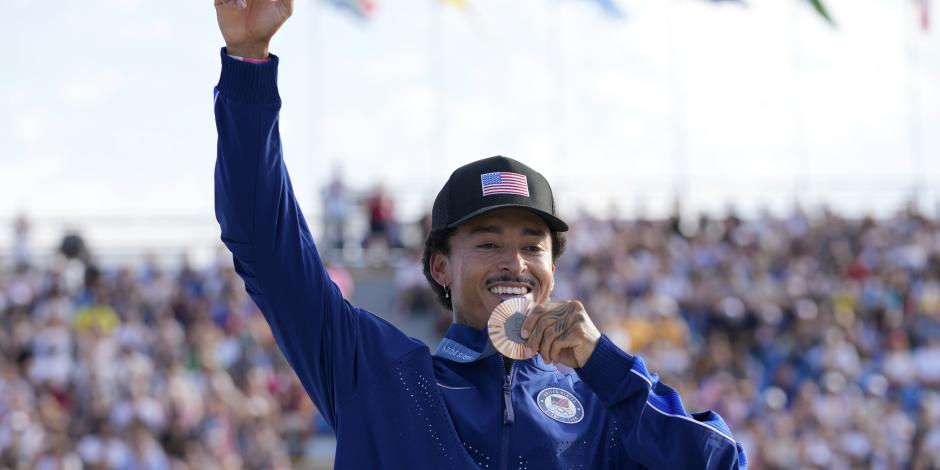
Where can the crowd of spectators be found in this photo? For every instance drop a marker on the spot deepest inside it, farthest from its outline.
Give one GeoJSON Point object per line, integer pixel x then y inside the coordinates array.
{"type": "Point", "coordinates": [144, 368]}
{"type": "Point", "coordinates": [817, 337]}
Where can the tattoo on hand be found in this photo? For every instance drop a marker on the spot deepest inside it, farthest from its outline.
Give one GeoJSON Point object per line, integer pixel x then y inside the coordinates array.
{"type": "Point", "coordinates": [575, 321]}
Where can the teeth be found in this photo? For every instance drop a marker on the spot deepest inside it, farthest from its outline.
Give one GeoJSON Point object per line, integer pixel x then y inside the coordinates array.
{"type": "Point", "coordinates": [504, 290]}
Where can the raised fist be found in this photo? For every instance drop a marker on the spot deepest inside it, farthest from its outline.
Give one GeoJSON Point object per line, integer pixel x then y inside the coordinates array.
{"type": "Point", "coordinates": [248, 25]}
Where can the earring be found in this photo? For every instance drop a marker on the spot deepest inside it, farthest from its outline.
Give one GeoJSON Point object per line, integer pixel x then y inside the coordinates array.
{"type": "Point", "coordinates": [446, 292]}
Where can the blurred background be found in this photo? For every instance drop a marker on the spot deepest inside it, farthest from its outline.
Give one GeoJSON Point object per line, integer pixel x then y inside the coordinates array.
{"type": "Point", "coordinates": [753, 187]}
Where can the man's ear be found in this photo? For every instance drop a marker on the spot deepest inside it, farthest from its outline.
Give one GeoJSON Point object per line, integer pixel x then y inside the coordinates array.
{"type": "Point", "coordinates": [440, 268]}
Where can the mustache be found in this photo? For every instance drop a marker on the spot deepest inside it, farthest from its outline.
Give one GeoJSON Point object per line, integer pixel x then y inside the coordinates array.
{"type": "Point", "coordinates": [507, 278]}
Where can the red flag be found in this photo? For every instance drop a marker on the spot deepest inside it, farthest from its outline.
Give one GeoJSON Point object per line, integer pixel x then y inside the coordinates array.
{"type": "Point", "coordinates": [361, 9]}
{"type": "Point", "coordinates": [923, 11]}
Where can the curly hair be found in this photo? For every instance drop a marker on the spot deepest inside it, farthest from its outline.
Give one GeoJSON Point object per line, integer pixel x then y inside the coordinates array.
{"type": "Point", "coordinates": [439, 242]}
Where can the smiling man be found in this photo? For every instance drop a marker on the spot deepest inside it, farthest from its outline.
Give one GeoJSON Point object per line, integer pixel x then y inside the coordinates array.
{"type": "Point", "coordinates": [495, 236]}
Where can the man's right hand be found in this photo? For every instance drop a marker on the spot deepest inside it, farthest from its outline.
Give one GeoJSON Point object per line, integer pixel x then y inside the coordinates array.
{"type": "Point", "coordinates": [248, 25]}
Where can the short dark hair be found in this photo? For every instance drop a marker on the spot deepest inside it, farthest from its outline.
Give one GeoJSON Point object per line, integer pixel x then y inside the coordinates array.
{"type": "Point", "coordinates": [439, 242]}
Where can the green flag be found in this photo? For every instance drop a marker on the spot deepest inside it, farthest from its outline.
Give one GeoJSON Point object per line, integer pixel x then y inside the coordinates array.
{"type": "Point", "coordinates": [822, 10]}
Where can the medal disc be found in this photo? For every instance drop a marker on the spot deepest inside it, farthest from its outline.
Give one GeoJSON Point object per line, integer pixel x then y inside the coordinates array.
{"type": "Point", "coordinates": [505, 327]}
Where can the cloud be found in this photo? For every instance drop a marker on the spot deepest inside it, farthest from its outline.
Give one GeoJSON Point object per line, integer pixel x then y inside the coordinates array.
{"type": "Point", "coordinates": [31, 128]}
{"type": "Point", "coordinates": [91, 88]}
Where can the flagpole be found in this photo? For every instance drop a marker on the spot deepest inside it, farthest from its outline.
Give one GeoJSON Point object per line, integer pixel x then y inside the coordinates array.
{"type": "Point", "coordinates": [437, 126]}
{"type": "Point", "coordinates": [314, 66]}
{"type": "Point", "coordinates": [677, 107]}
{"type": "Point", "coordinates": [802, 171]}
{"type": "Point", "coordinates": [915, 119]}
{"type": "Point", "coordinates": [556, 111]}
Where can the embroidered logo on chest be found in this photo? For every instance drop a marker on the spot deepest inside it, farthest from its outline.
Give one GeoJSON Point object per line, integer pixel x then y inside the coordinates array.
{"type": "Point", "coordinates": [560, 405]}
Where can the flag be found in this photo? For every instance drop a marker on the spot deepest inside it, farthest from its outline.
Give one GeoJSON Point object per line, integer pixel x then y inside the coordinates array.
{"type": "Point", "coordinates": [361, 9]}
{"type": "Point", "coordinates": [923, 12]}
{"type": "Point", "coordinates": [561, 402]}
{"type": "Point", "coordinates": [466, 7]}
{"type": "Point", "coordinates": [822, 10]}
{"type": "Point", "coordinates": [611, 8]}
{"type": "Point", "coordinates": [504, 182]}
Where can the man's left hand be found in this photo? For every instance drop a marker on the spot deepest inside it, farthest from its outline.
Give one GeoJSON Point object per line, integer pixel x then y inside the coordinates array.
{"type": "Point", "coordinates": [562, 332]}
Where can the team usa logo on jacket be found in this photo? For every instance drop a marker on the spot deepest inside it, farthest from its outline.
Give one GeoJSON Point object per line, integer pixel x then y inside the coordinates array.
{"type": "Point", "coordinates": [560, 405]}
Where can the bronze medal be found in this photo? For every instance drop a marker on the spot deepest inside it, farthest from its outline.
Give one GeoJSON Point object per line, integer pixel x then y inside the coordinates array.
{"type": "Point", "coordinates": [505, 328]}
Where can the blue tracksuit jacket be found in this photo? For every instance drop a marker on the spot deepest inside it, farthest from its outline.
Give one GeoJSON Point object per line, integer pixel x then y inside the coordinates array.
{"type": "Point", "coordinates": [394, 405]}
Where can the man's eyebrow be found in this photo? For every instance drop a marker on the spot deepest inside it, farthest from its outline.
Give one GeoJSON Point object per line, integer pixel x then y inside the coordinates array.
{"type": "Point", "coordinates": [533, 231]}
{"type": "Point", "coordinates": [485, 229]}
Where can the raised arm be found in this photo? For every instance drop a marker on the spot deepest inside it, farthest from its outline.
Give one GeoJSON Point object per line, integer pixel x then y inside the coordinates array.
{"type": "Point", "coordinates": [332, 346]}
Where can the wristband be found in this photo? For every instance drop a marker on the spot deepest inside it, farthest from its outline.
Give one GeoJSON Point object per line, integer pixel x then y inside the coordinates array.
{"type": "Point", "coordinates": [250, 60]}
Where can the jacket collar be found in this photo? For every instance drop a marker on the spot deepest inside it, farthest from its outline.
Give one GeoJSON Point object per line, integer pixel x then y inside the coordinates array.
{"type": "Point", "coordinates": [465, 344]}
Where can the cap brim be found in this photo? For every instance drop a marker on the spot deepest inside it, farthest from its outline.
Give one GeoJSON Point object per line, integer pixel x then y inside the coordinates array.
{"type": "Point", "coordinates": [554, 223]}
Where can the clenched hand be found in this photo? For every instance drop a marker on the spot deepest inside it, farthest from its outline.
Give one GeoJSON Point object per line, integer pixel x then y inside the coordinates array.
{"type": "Point", "coordinates": [562, 332]}
{"type": "Point", "coordinates": [248, 25]}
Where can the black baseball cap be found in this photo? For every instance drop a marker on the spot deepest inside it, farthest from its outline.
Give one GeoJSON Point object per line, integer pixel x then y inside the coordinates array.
{"type": "Point", "coordinates": [493, 183]}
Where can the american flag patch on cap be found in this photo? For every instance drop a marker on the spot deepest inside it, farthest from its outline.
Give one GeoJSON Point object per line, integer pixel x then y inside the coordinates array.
{"type": "Point", "coordinates": [504, 182]}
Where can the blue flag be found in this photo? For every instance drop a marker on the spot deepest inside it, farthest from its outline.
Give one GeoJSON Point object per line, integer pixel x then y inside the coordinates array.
{"type": "Point", "coordinates": [611, 8]}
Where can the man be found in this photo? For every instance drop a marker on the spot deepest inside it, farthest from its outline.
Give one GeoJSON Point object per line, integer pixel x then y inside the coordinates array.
{"type": "Point", "coordinates": [494, 236]}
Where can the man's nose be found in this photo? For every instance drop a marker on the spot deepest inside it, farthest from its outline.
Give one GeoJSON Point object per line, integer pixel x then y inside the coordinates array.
{"type": "Point", "coordinates": [512, 261]}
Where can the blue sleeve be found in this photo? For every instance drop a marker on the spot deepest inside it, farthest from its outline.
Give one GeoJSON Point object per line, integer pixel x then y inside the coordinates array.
{"type": "Point", "coordinates": [657, 431]}
{"type": "Point", "coordinates": [334, 347]}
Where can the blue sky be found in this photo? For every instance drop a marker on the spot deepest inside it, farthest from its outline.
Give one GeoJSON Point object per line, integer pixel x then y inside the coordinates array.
{"type": "Point", "coordinates": [108, 110]}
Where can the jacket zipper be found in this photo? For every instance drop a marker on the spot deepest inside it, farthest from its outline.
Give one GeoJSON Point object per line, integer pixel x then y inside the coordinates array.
{"type": "Point", "coordinates": [508, 414]}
